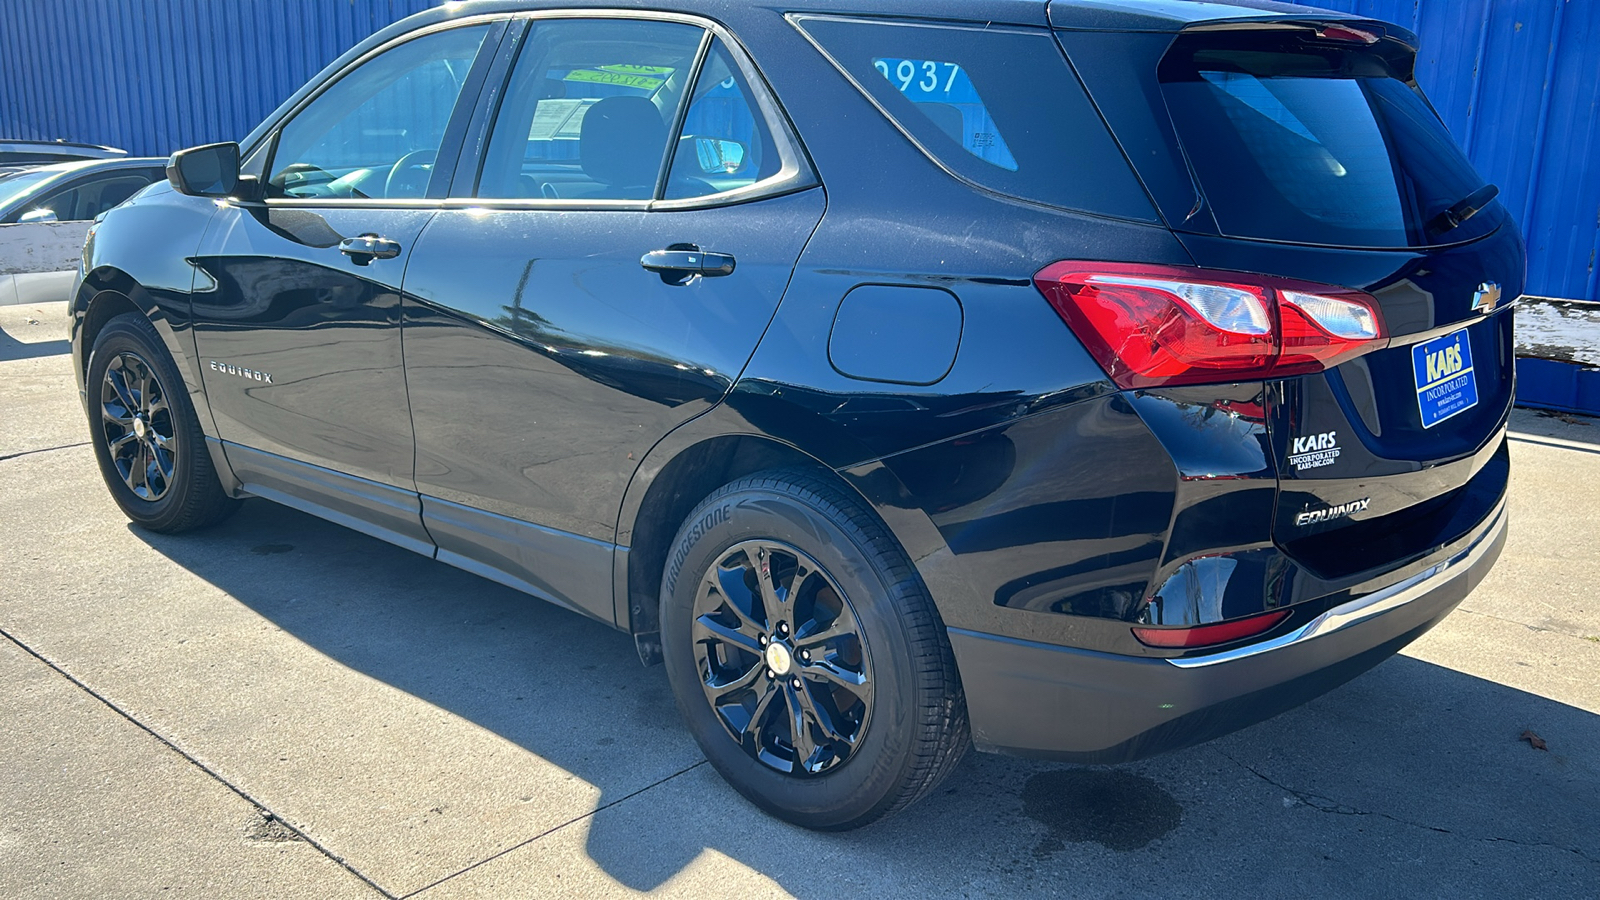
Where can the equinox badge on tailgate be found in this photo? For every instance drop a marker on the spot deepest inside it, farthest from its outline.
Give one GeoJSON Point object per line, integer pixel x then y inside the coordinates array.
{"type": "Point", "coordinates": [1329, 513]}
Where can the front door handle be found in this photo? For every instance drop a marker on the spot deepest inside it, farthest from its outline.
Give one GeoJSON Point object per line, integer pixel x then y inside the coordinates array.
{"type": "Point", "coordinates": [680, 262]}
{"type": "Point", "coordinates": [365, 248]}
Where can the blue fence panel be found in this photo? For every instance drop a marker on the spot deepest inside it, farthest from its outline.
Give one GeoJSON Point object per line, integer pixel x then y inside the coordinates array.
{"type": "Point", "coordinates": [153, 76]}
{"type": "Point", "coordinates": [1517, 82]}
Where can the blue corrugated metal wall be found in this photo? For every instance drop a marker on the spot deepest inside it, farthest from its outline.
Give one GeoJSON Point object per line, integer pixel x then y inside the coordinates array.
{"type": "Point", "coordinates": [1517, 81]}
{"type": "Point", "coordinates": [154, 76]}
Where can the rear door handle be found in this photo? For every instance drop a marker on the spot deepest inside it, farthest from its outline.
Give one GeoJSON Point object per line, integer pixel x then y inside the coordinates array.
{"type": "Point", "coordinates": [365, 248]}
{"type": "Point", "coordinates": [679, 262]}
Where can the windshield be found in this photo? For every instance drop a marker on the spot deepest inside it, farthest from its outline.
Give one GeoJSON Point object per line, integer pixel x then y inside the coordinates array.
{"type": "Point", "coordinates": [15, 187]}
{"type": "Point", "coordinates": [1317, 142]}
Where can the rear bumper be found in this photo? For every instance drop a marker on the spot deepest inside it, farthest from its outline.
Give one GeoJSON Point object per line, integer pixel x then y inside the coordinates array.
{"type": "Point", "coordinates": [1041, 700]}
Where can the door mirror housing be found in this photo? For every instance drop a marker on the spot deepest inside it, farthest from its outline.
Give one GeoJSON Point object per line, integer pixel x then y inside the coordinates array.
{"type": "Point", "coordinates": [42, 214]}
{"type": "Point", "coordinates": [211, 170]}
{"type": "Point", "coordinates": [717, 156]}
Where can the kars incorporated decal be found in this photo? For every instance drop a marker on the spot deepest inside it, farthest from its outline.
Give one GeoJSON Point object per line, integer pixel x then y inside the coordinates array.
{"type": "Point", "coordinates": [1314, 451]}
{"type": "Point", "coordinates": [1313, 516]}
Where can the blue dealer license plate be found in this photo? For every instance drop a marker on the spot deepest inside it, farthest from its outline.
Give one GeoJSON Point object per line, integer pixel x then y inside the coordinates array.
{"type": "Point", "coordinates": [1445, 381]}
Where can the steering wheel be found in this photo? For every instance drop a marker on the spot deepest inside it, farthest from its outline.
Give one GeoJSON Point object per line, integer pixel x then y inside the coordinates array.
{"type": "Point", "coordinates": [416, 159]}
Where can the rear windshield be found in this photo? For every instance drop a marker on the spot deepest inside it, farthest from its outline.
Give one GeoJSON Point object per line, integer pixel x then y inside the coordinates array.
{"type": "Point", "coordinates": [1300, 139]}
{"type": "Point", "coordinates": [999, 107]}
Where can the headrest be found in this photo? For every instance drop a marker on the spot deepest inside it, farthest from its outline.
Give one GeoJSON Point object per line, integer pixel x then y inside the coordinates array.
{"type": "Point", "coordinates": [622, 141]}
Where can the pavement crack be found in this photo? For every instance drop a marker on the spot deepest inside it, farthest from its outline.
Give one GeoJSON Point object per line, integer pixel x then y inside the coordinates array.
{"type": "Point", "coordinates": [42, 450]}
{"type": "Point", "coordinates": [555, 828]}
{"type": "Point", "coordinates": [1545, 629]}
{"type": "Point", "coordinates": [261, 808]}
{"type": "Point", "coordinates": [1315, 801]}
{"type": "Point", "coordinates": [1327, 805]}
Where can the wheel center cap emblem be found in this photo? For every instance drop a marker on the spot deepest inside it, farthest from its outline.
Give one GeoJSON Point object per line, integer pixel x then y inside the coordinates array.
{"type": "Point", "coordinates": [138, 427]}
{"type": "Point", "coordinates": [778, 659]}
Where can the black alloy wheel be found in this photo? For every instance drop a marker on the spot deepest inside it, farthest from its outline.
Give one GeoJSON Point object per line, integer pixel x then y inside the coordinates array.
{"type": "Point", "coordinates": [782, 659]}
{"type": "Point", "coordinates": [145, 434]}
{"type": "Point", "coordinates": [805, 653]}
{"type": "Point", "coordinates": [137, 427]}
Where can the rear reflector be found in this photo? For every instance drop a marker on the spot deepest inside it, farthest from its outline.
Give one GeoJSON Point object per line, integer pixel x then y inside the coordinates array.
{"type": "Point", "coordinates": [1153, 325]}
{"type": "Point", "coordinates": [1207, 635]}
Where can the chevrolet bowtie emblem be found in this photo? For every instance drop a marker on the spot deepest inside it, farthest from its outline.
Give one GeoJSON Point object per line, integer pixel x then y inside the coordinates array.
{"type": "Point", "coordinates": [1486, 298]}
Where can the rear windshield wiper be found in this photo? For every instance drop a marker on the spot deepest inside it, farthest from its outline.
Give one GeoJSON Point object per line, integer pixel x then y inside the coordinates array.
{"type": "Point", "coordinates": [1469, 206]}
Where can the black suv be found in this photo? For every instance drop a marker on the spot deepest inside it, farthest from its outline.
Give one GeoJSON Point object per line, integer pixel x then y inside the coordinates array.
{"type": "Point", "coordinates": [1083, 380]}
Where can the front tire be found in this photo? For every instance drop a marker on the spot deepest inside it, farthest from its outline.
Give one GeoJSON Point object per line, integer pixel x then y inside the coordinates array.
{"type": "Point", "coordinates": [145, 434]}
{"type": "Point", "coordinates": [806, 655]}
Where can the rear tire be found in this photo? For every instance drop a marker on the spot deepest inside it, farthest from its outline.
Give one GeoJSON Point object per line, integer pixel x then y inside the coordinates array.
{"type": "Point", "coordinates": [806, 655]}
{"type": "Point", "coordinates": [145, 434]}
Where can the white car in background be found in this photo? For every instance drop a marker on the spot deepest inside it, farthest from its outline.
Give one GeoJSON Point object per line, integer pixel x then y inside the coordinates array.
{"type": "Point", "coordinates": [45, 212]}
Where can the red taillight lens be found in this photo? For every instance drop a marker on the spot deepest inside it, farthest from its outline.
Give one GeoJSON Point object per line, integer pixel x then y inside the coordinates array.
{"type": "Point", "coordinates": [1207, 635]}
{"type": "Point", "coordinates": [1167, 325]}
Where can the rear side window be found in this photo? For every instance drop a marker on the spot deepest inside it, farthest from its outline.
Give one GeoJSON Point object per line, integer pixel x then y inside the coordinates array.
{"type": "Point", "coordinates": [20, 158]}
{"type": "Point", "coordinates": [725, 145]}
{"type": "Point", "coordinates": [88, 199]}
{"type": "Point", "coordinates": [588, 109]}
{"type": "Point", "coordinates": [1300, 139]}
{"type": "Point", "coordinates": [1000, 107]}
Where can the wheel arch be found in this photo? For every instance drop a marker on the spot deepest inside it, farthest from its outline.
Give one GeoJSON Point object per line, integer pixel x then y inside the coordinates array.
{"type": "Point", "coordinates": [107, 292]}
{"type": "Point", "coordinates": [97, 303]}
{"type": "Point", "coordinates": [683, 469]}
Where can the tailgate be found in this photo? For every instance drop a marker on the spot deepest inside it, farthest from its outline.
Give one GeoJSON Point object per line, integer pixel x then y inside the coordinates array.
{"type": "Point", "coordinates": [1304, 149]}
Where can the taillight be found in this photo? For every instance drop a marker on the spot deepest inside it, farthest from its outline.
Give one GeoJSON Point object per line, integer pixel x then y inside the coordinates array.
{"type": "Point", "coordinates": [1151, 325]}
{"type": "Point", "coordinates": [1181, 638]}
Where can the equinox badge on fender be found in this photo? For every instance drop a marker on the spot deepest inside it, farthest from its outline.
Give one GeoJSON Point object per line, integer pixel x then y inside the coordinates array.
{"type": "Point", "coordinates": [241, 371]}
{"type": "Point", "coordinates": [1328, 514]}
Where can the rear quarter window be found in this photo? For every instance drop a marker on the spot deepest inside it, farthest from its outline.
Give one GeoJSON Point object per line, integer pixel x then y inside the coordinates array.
{"type": "Point", "coordinates": [999, 107]}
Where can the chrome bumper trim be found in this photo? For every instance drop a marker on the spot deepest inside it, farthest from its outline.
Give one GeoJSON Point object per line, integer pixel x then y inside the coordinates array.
{"type": "Point", "coordinates": [1373, 604]}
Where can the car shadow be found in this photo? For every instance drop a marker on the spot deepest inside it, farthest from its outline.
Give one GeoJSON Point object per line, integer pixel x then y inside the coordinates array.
{"type": "Point", "coordinates": [1411, 755]}
{"type": "Point", "coordinates": [12, 349]}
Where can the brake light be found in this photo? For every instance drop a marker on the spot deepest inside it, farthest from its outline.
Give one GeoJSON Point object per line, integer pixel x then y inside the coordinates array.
{"type": "Point", "coordinates": [1184, 638]}
{"type": "Point", "coordinates": [1344, 33]}
{"type": "Point", "coordinates": [1151, 325]}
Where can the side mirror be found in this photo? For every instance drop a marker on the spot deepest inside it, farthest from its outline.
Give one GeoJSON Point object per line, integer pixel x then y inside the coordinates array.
{"type": "Point", "coordinates": [211, 170]}
{"type": "Point", "coordinates": [717, 156]}
{"type": "Point", "coordinates": [42, 214]}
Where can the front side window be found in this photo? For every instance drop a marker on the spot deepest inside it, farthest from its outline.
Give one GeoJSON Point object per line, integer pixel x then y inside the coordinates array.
{"type": "Point", "coordinates": [374, 134]}
{"type": "Point", "coordinates": [588, 109]}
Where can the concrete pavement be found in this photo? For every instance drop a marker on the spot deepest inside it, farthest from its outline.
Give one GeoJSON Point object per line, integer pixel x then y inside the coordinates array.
{"type": "Point", "coordinates": [280, 707]}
